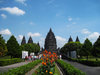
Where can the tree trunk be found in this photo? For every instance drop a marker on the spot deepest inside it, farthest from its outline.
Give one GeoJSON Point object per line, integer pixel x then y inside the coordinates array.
{"type": "Point", "coordinates": [87, 57]}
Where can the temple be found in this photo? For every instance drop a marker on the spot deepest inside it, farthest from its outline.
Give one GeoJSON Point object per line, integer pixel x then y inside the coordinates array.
{"type": "Point", "coordinates": [23, 41]}
{"type": "Point", "coordinates": [50, 42]}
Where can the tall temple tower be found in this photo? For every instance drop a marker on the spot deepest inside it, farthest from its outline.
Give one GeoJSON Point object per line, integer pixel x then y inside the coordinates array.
{"type": "Point", "coordinates": [23, 41]}
{"type": "Point", "coordinates": [50, 42]}
{"type": "Point", "coordinates": [70, 39]}
{"type": "Point", "coordinates": [30, 40]}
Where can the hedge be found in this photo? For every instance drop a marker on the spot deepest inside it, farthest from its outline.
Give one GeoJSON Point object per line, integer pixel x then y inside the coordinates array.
{"type": "Point", "coordinates": [86, 62]}
{"type": "Point", "coordinates": [22, 69]}
{"type": "Point", "coordinates": [69, 69]}
{"type": "Point", "coordinates": [4, 62]}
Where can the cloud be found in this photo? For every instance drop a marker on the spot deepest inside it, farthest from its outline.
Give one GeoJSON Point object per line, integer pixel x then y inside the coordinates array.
{"type": "Point", "coordinates": [41, 42]}
{"type": "Point", "coordinates": [34, 34]}
{"type": "Point", "coordinates": [32, 23]}
{"type": "Point", "coordinates": [73, 22]}
{"type": "Point", "coordinates": [50, 1]}
{"type": "Point", "coordinates": [14, 10]}
{"type": "Point", "coordinates": [60, 41]}
{"type": "Point", "coordinates": [20, 37]}
{"type": "Point", "coordinates": [85, 31]}
{"type": "Point", "coordinates": [3, 16]}
{"type": "Point", "coordinates": [69, 19]}
{"type": "Point", "coordinates": [5, 32]}
{"type": "Point", "coordinates": [93, 36]}
{"type": "Point", "coordinates": [21, 1]}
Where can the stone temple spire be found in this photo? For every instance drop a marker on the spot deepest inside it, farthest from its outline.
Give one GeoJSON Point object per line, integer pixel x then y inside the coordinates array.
{"type": "Point", "coordinates": [77, 39]}
{"type": "Point", "coordinates": [50, 41]}
{"type": "Point", "coordinates": [23, 41]}
{"type": "Point", "coordinates": [70, 39]}
{"type": "Point", "coordinates": [30, 40]}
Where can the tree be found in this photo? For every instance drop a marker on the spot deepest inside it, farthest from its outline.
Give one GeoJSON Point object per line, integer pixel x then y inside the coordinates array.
{"type": "Point", "coordinates": [30, 47]}
{"type": "Point", "coordinates": [13, 47]}
{"type": "Point", "coordinates": [3, 48]}
{"type": "Point", "coordinates": [71, 46]}
{"type": "Point", "coordinates": [86, 48]}
{"type": "Point", "coordinates": [96, 48]}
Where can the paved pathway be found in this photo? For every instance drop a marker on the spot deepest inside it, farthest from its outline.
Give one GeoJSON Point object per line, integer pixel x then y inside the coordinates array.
{"type": "Point", "coordinates": [6, 68]}
{"type": "Point", "coordinates": [87, 69]}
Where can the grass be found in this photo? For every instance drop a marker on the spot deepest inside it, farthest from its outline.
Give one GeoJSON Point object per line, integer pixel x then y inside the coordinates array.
{"type": "Point", "coordinates": [56, 71]}
{"type": "Point", "coordinates": [91, 59]}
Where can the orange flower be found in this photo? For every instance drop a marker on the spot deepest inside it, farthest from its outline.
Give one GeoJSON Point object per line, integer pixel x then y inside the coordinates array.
{"type": "Point", "coordinates": [49, 52]}
{"type": "Point", "coordinates": [44, 55]}
{"type": "Point", "coordinates": [50, 72]}
{"type": "Point", "coordinates": [46, 70]}
{"type": "Point", "coordinates": [45, 64]}
{"type": "Point", "coordinates": [42, 63]}
{"type": "Point", "coordinates": [47, 59]}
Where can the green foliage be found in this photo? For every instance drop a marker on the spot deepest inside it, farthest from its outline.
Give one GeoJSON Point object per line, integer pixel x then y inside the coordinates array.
{"type": "Point", "coordinates": [86, 48]}
{"type": "Point", "coordinates": [96, 48]}
{"type": "Point", "coordinates": [23, 69]}
{"type": "Point", "coordinates": [3, 48]}
{"type": "Point", "coordinates": [5, 57]}
{"type": "Point", "coordinates": [56, 71]}
{"type": "Point", "coordinates": [30, 47]}
{"type": "Point", "coordinates": [4, 62]}
{"type": "Point", "coordinates": [86, 62]}
{"type": "Point", "coordinates": [70, 46]}
{"type": "Point", "coordinates": [13, 47]}
{"type": "Point", "coordinates": [69, 69]}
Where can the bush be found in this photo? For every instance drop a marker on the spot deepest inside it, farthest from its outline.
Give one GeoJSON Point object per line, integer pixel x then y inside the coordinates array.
{"type": "Point", "coordinates": [69, 69]}
{"type": "Point", "coordinates": [4, 62]}
{"type": "Point", "coordinates": [86, 62]}
{"type": "Point", "coordinates": [89, 62]}
{"type": "Point", "coordinates": [22, 69]}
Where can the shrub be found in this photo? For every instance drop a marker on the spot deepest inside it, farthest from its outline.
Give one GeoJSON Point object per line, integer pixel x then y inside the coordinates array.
{"type": "Point", "coordinates": [69, 69]}
{"type": "Point", "coordinates": [89, 62]}
{"type": "Point", "coordinates": [22, 69]}
{"type": "Point", "coordinates": [4, 62]}
{"type": "Point", "coordinates": [86, 62]}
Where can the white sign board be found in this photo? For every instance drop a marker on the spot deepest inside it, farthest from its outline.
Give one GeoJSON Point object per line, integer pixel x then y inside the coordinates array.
{"type": "Point", "coordinates": [24, 54]}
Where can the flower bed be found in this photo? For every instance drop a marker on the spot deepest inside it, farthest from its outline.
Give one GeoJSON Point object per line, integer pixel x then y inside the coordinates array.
{"type": "Point", "coordinates": [69, 69]}
{"type": "Point", "coordinates": [22, 69]}
{"type": "Point", "coordinates": [4, 62]}
{"type": "Point", "coordinates": [48, 64]}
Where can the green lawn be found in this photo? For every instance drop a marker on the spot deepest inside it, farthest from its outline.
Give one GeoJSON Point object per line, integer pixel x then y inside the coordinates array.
{"type": "Point", "coordinates": [91, 59]}
{"type": "Point", "coordinates": [56, 71]}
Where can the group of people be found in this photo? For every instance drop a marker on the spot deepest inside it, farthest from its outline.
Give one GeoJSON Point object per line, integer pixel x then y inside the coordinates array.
{"type": "Point", "coordinates": [31, 58]}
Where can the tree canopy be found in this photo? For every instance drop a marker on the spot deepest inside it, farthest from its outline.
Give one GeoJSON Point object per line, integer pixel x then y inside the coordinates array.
{"type": "Point", "coordinates": [30, 47]}
{"type": "Point", "coordinates": [86, 48]}
{"type": "Point", "coordinates": [3, 48]}
{"type": "Point", "coordinates": [13, 47]}
{"type": "Point", "coordinates": [96, 48]}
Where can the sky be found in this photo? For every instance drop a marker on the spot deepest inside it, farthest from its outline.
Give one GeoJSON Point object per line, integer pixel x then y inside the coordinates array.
{"type": "Point", "coordinates": [35, 17]}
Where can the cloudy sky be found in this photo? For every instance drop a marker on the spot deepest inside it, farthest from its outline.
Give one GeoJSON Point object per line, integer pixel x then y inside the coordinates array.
{"type": "Point", "coordinates": [35, 18]}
